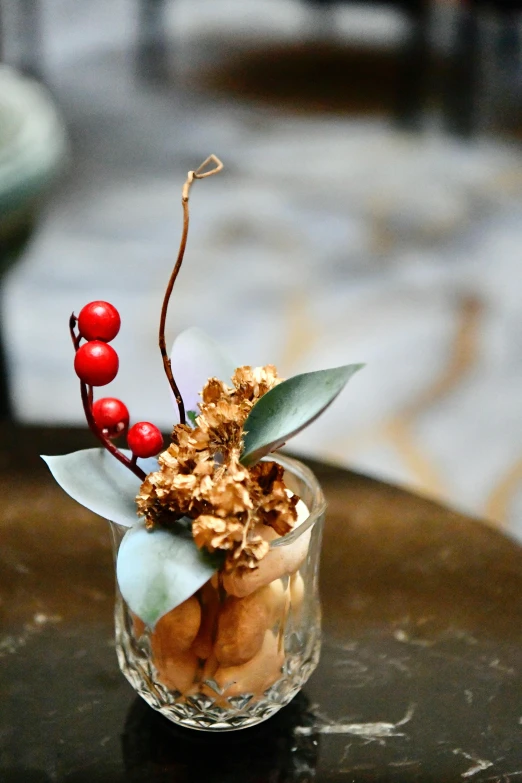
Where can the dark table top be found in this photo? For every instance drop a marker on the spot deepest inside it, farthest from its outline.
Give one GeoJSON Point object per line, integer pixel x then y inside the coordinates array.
{"type": "Point", "coordinates": [419, 679]}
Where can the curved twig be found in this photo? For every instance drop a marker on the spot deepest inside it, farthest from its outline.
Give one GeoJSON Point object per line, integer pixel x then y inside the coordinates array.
{"type": "Point", "coordinates": [199, 173]}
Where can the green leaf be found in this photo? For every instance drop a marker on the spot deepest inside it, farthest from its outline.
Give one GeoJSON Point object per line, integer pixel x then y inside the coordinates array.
{"type": "Point", "coordinates": [289, 407]}
{"type": "Point", "coordinates": [159, 569]}
{"type": "Point", "coordinates": [96, 479]}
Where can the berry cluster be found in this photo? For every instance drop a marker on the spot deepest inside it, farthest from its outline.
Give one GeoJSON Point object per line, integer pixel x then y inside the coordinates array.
{"type": "Point", "coordinates": [96, 364]}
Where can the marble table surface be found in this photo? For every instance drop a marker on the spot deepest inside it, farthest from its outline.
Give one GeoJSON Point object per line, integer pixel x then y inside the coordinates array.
{"type": "Point", "coordinates": [419, 679]}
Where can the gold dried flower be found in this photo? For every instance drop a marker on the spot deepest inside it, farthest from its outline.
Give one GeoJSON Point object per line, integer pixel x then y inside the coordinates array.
{"type": "Point", "coordinates": [216, 533]}
{"type": "Point", "coordinates": [200, 476]}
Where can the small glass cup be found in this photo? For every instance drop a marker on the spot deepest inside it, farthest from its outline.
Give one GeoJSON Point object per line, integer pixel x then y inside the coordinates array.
{"type": "Point", "coordinates": [243, 646]}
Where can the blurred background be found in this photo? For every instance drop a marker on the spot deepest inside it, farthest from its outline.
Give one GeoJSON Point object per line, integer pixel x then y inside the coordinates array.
{"type": "Point", "coordinates": [370, 210]}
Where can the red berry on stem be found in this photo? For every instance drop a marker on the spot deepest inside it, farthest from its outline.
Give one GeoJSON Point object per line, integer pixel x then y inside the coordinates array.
{"type": "Point", "coordinates": [99, 321]}
{"type": "Point", "coordinates": [144, 439]}
{"type": "Point", "coordinates": [111, 415]}
{"type": "Point", "coordinates": [96, 363]}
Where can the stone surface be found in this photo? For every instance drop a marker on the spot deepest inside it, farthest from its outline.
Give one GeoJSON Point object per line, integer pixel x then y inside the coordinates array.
{"type": "Point", "coordinates": [419, 679]}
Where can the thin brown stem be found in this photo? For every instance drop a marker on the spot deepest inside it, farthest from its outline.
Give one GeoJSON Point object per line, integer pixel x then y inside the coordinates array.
{"type": "Point", "coordinates": [87, 400]}
{"type": "Point", "coordinates": [106, 443]}
{"type": "Point", "coordinates": [199, 173]}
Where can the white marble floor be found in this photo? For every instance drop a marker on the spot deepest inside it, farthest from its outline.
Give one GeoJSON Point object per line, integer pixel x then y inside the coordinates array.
{"type": "Point", "coordinates": [327, 239]}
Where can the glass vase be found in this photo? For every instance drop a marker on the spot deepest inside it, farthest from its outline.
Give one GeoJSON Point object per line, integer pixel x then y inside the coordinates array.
{"type": "Point", "coordinates": [241, 648]}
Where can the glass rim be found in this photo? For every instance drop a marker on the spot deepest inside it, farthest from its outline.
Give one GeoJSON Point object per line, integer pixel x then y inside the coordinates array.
{"type": "Point", "coordinates": [301, 471]}
{"type": "Point", "coordinates": [318, 507]}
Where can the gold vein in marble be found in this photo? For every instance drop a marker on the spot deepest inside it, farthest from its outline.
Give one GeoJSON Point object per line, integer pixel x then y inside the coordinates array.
{"type": "Point", "coordinates": [499, 502]}
{"type": "Point", "coordinates": [398, 428]}
{"type": "Point", "coordinates": [301, 328]}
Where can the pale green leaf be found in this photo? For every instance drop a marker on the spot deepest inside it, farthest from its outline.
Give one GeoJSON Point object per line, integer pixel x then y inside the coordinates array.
{"type": "Point", "coordinates": [289, 407]}
{"type": "Point", "coordinates": [94, 478]}
{"type": "Point", "coordinates": [159, 569]}
{"type": "Point", "coordinates": [195, 358]}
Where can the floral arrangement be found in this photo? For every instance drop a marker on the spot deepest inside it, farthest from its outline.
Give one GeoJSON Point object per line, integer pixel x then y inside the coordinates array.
{"type": "Point", "coordinates": [211, 500]}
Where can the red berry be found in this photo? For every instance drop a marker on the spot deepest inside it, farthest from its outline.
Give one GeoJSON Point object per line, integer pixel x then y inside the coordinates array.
{"type": "Point", "coordinates": [96, 363]}
{"type": "Point", "coordinates": [144, 439]}
{"type": "Point", "coordinates": [111, 415]}
{"type": "Point", "coordinates": [99, 321]}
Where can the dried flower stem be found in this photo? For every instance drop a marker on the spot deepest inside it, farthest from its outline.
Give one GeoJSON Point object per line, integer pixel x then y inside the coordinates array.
{"type": "Point", "coordinates": [200, 173]}
{"type": "Point", "coordinates": [87, 400]}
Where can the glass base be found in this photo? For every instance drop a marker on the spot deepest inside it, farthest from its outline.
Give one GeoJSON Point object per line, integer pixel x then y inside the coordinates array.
{"type": "Point", "coordinates": [206, 709]}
